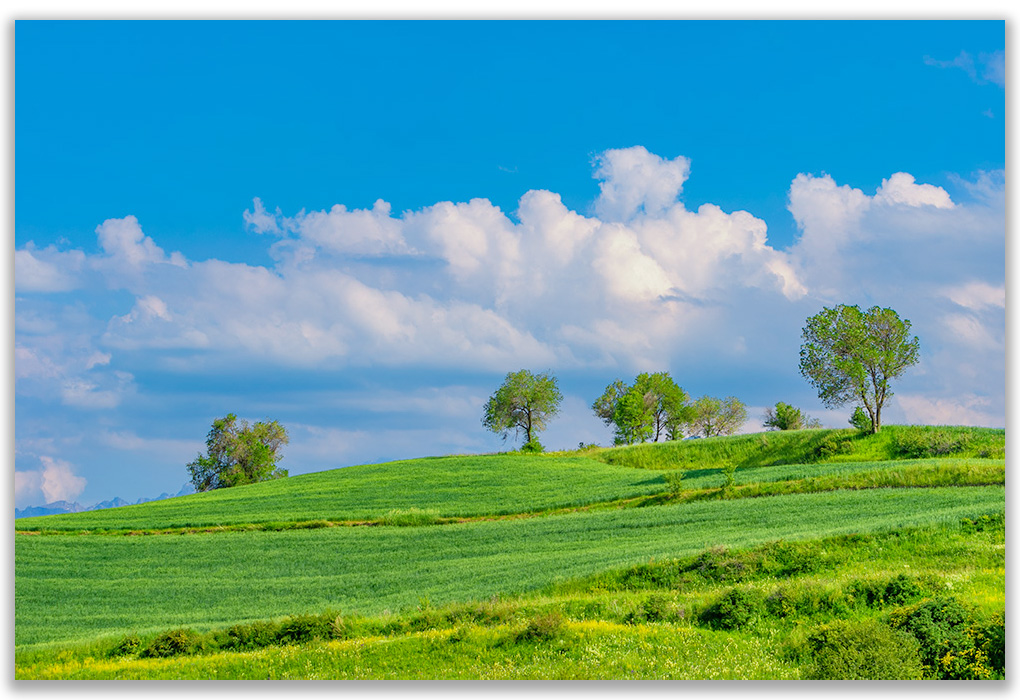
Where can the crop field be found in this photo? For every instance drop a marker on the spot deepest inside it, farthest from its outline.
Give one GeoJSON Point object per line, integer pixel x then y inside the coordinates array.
{"type": "Point", "coordinates": [449, 486]}
{"type": "Point", "coordinates": [603, 572]}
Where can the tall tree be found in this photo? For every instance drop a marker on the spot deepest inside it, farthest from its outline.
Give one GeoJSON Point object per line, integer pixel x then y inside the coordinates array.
{"type": "Point", "coordinates": [851, 355]}
{"type": "Point", "coordinates": [523, 404]}
{"type": "Point", "coordinates": [238, 453]}
{"type": "Point", "coordinates": [652, 408]}
{"type": "Point", "coordinates": [712, 416]}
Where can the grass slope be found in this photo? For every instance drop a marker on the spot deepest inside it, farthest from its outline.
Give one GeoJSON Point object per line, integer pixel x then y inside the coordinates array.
{"type": "Point", "coordinates": [592, 590]}
{"type": "Point", "coordinates": [447, 486]}
{"type": "Point", "coordinates": [635, 622]}
{"type": "Point", "coordinates": [73, 587]}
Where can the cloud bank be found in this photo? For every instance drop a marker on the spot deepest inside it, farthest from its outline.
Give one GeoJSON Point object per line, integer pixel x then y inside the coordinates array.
{"type": "Point", "coordinates": [643, 282]}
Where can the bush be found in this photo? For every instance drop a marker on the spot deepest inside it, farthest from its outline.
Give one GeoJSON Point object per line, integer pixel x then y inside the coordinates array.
{"type": "Point", "coordinates": [674, 480]}
{"type": "Point", "coordinates": [876, 592]}
{"type": "Point", "coordinates": [834, 444]}
{"type": "Point", "coordinates": [865, 650]}
{"type": "Point", "coordinates": [542, 628]}
{"type": "Point", "coordinates": [179, 642]}
{"type": "Point", "coordinates": [533, 446]}
{"type": "Point", "coordinates": [735, 609]}
{"type": "Point", "coordinates": [860, 420]}
{"type": "Point", "coordinates": [126, 646]}
{"type": "Point", "coordinates": [305, 628]}
{"type": "Point", "coordinates": [255, 635]}
{"type": "Point", "coordinates": [919, 441]}
{"type": "Point", "coordinates": [982, 523]}
{"type": "Point", "coordinates": [717, 564]}
{"type": "Point", "coordinates": [953, 645]}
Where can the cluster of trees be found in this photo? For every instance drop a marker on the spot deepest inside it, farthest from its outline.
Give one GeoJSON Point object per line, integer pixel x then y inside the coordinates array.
{"type": "Point", "coordinates": [655, 407]}
{"type": "Point", "coordinates": [848, 355]}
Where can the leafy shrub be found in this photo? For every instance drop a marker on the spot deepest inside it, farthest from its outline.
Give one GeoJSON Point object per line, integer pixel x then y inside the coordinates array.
{"type": "Point", "coordinates": [877, 592]}
{"type": "Point", "coordinates": [834, 444]}
{"type": "Point", "coordinates": [983, 522]}
{"type": "Point", "coordinates": [791, 559]}
{"type": "Point", "coordinates": [179, 642]}
{"type": "Point", "coordinates": [860, 420]}
{"type": "Point", "coordinates": [953, 645]}
{"type": "Point", "coordinates": [655, 608]}
{"type": "Point", "coordinates": [674, 480]}
{"type": "Point", "coordinates": [542, 628]}
{"type": "Point", "coordinates": [533, 446]}
{"type": "Point", "coordinates": [716, 564]}
{"type": "Point", "coordinates": [729, 470]}
{"type": "Point", "coordinates": [126, 646]}
{"type": "Point", "coordinates": [919, 441]}
{"type": "Point", "coordinates": [305, 628]}
{"type": "Point", "coordinates": [805, 599]}
{"type": "Point", "coordinates": [735, 609]}
{"type": "Point", "coordinates": [865, 650]}
{"type": "Point", "coordinates": [244, 637]}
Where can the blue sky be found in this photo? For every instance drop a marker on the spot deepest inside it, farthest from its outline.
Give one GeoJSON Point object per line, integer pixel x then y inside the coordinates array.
{"type": "Point", "coordinates": [359, 228]}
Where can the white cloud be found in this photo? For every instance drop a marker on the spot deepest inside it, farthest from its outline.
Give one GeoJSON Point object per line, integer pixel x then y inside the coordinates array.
{"type": "Point", "coordinates": [123, 240]}
{"type": "Point", "coordinates": [966, 409]}
{"type": "Point", "coordinates": [56, 481]}
{"type": "Point", "coordinates": [642, 285]}
{"type": "Point", "coordinates": [260, 220]}
{"type": "Point", "coordinates": [989, 67]}
{"type": "Point", "coordinates": [977, 295]}
{"type": "Point", "coordinates": [634, 181]}
{"type": "Point", "coordinates": [46, 270]}
{"type": "Point", "coordinates": [59, 482]}
{"type": "Point", "coordinates": [900, 188]}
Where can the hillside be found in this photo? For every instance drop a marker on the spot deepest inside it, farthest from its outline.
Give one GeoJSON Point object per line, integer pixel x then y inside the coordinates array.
{"type": "Point", "coordinates": [473, 552]}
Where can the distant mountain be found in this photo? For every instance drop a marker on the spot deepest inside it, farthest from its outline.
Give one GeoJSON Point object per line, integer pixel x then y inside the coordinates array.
{"type": "Point", "coordinates": [64, 507]}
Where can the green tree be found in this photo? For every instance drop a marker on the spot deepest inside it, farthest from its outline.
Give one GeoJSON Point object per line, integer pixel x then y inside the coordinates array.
{"type": "Point", "coordinates": [652, 408]}
{"type": "Point", "coordinates": [851, 355]}
{"type": "Point", "coordinates": [787, 417]}
{"type": "Point", "coordinates": [523, 404]}
{"type": "Point", "coordinates": [712, 416]}
{"type": "Point", "coordinates": [238, 454]}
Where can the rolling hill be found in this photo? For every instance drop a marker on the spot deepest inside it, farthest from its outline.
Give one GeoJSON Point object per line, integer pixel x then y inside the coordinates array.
{"type": "Point", "coordinates": [532, 562]}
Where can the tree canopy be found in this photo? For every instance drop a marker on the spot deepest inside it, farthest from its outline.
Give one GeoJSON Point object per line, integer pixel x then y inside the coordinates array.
{"type": "Point", "coordinates": [712, 416]}
{"type": "Point", "coordinates": [238, 454]}
{"type": "Point", "coordinates": [787, 417]}
{"type": "Point", "coordinates": [851, 355]}
{"type": "Point", "coordinates": [523, 404]}
{"type": "Point", "coordinates": [651, 408]}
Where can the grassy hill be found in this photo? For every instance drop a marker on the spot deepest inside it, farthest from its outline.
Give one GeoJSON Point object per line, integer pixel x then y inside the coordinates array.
{"type": "Point", "coordinates": [586, 564]}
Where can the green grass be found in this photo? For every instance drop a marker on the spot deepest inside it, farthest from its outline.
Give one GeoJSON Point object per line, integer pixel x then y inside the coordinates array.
{"type": "Point", "coordinates": [445, 486]}
{"type": "Point", "coordinates": [74, 587]}
{"type": "Point", "coordinates": [455, 579]}
{"type": "Point", "coordinates": [634, 622]}
{"type": "Point", "coordinates": [811, 446]}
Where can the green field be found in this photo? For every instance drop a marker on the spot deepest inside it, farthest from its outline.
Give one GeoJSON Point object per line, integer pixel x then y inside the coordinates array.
{"type": "Point", "coordinates": [558, 596]}
{"type": "Point", "coordinates": [449, 486]}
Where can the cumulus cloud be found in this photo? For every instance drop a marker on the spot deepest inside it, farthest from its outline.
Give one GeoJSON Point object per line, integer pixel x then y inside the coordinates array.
{"type": "Point", "coordinates": [55, 481]}
{"type": "Point", "coordinates": [46, 270]}
{"type": "Point", "coordinates": [634, 180]}
{"type": "Point", "coordinates": [901, 188]}
{"type": "Point", "coordinates": [642, 283]}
